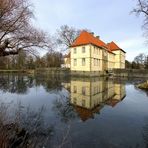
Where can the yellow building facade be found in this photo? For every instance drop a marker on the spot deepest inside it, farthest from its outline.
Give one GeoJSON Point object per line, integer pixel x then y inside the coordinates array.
{"type": "Point", "coordinates": [89, 53]}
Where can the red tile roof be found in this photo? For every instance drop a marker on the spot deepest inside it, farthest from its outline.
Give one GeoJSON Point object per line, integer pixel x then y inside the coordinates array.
{"type": "Point", "coordinates": [113, 46]}
{"type": "Point", "coordinates": [88, 38]}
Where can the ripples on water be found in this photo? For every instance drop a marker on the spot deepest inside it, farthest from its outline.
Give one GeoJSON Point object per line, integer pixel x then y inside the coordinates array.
{"type": "Point", "coordinates": [72, 112]}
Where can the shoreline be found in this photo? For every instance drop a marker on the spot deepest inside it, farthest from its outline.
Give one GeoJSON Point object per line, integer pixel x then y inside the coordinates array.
{"type": "Point", "coordinates": [124, 73]}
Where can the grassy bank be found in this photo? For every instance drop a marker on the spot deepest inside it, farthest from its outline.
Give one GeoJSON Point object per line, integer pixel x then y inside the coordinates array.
{"type": "Point", "coordinates": [143, 85]}
{"type": "Point", "coordinates": [18, 71]}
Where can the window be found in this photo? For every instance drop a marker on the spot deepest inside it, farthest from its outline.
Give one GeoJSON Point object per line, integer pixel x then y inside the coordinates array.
{"type": "Point", "coordinates": [97, 62]}
{"type": "Point", "coordinates": [97, 89]}
{"type": "Point", "coordinates": [94, 49]}
{"type": "Point", "coordinates": [94, 62]}
{"type": "Point", "coordinates": [83, 90]}
{"type": "Point", "coordinates": [83, 49]}
{"type": "Point", "coordinates": [75, 89]}
{"type": "Point", "coordinates": [75, 50]}
{"type": "Point", "coordinates": [83, 103]}
{"type": "Point", "coordinates": [94, 90]}
{"type": "Point", "coordinates": [105, 53]}
{"type": "Point", "coordinates": [83, 61]}
{"type": "Point", "coordinates": [75, 62]}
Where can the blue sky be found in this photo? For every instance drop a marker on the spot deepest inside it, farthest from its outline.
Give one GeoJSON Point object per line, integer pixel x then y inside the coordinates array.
{"type": "Point", "coordinates": [110, 19]}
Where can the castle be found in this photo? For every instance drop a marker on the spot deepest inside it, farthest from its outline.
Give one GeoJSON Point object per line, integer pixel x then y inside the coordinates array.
{"type": "Point", "coordinates": [88, 53]}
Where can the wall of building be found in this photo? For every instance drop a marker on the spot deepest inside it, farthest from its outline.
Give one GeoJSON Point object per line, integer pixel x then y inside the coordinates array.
{"type": "Point", "coordinates": [119, 59]}
{"type": "Point", "coordinates": [111, 61]}
{"type": "Point", "coordinates": [96, 59]}
{"type": "Point", "coordinates": [78, 56]}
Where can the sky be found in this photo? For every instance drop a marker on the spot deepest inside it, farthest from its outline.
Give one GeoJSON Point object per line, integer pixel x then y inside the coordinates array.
{"type": "Point", "coordinates": [110, 19]}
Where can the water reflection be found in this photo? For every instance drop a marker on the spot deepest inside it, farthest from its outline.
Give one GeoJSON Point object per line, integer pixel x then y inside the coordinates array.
{"type": "Point", "coordinates": [26, 128]}
{"type": "Point", "coordinates": [67, 103]}
{"type": "Point", "coordinates": [20, 84]}
{"type": "Point", "coordinates": [90, 95]}
{"type": "Point", "coordinates": [15, 83]}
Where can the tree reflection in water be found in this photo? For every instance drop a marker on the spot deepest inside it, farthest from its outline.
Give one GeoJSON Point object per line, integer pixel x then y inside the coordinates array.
{"type": "Point", "coordinates": [20, 84]}
{"type": "Point", "coordinates": [64, 110]}
{"type": "Point", "coordinates": [145, 132]}
{"type": "Point", "coordinates": [15, 83]}
{"type": "Point", "coordinates": [26, 128]}
{"type": "Point", "coordinates": [51, 84]}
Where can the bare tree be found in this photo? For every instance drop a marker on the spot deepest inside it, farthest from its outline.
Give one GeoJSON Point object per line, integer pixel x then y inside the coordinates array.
{"type": "Point", "coordinates": [16, 31]}
{"type": "Point", "coordinates": [140, 58]}
{"type": "Point", "coordinates": [66, 35]}
{"type": "Point", "coordinates": [142, 8]}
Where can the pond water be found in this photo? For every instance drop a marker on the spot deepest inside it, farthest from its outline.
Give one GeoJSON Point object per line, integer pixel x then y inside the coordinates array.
{"type": "Point", "coordinates": [73, 112]}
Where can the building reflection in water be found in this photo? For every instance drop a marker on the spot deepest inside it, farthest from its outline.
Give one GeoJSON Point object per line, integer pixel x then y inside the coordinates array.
{"type": "Point", "coordinates": [90, 95]}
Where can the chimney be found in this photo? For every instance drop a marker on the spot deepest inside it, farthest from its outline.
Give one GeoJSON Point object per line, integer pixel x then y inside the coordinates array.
{"type": "Point", "coordinates": [92, 33]}
{"type": "Point", "coordinates": [98, 37]}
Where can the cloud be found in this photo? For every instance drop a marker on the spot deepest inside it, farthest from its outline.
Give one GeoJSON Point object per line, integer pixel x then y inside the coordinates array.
{"type": "Point", "coordinates": [133, 47]}
{"type": "Point", "coordinates": [110, 19]}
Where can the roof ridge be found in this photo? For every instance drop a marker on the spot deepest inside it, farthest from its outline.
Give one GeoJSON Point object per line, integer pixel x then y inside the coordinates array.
{"type": "Point", "coordinates": [86, 37]}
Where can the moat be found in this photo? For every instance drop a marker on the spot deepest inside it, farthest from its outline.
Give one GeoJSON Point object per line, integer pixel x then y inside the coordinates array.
{"type": "Point", "coordinates": [73, 112]}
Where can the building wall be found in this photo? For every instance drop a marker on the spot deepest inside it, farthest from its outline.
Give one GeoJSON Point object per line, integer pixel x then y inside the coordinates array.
{"type": "Point", "coordinates": [119, 59]}
{"type": "Point", "coordinates": [95, 59]}
{"type": "Point", "coordinates": [111, 61]}
{"type": "Point", "coordinates": [78, 56]}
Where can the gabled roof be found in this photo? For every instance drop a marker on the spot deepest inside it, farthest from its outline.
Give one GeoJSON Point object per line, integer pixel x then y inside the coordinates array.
{"type": "Point", "coordinates": [113, 46]}
{"type": "Point", "coordinates": [88, 38]}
